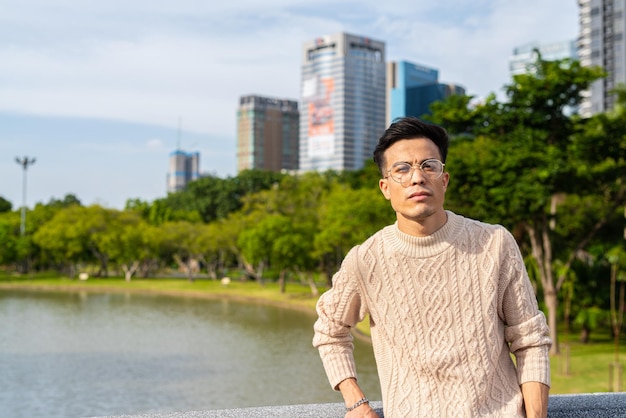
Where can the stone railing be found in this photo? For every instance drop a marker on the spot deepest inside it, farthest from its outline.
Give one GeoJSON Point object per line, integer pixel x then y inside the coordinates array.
{"type": "Point", "coordinates": [593, 405]}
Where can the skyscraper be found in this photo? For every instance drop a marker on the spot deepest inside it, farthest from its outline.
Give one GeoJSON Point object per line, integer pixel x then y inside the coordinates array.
{"type": "Point", "coordinates": [525, 56]}
{"type": "Point", "coordinates": [184, 167]}
{"type": "Point", "coordinates": [267, 133]}
{"type": "Point", "coordinates": [343, 101]}
{"type": "Point", "coordinates": [601, 43]}
{"type": "Point", "coordinates": [412, 88]}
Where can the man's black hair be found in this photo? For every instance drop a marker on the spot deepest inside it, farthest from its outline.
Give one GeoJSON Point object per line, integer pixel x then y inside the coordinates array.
{"type": "Point", "coordinates": [410, 127]}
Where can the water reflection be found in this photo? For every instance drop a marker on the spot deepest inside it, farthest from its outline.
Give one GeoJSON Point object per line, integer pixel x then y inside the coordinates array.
{"type": "Point", "coordinates": [86, 354]}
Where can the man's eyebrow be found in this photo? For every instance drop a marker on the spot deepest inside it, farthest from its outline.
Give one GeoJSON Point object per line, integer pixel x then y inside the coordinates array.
{"type": "Point", "coordinates": [419, 162]}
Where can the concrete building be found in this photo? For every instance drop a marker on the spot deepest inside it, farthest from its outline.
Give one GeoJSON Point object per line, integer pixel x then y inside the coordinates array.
{"type": "Point", "coordinates": [267, 134]}
{"type": "Point", "coordinates": [184, 167]}
{"type": "Point", "coordinates": [601, 43]}
{"type": "Point", "coordinates": [412, 88]}
{"type": "Point", "coordinates": [525, 56]}
{"type": "Point", "coordinates": [342, 101]}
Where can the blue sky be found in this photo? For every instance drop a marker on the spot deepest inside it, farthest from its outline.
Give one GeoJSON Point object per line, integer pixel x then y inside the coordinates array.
{"type": "Point", "coordinates": [95, 91]}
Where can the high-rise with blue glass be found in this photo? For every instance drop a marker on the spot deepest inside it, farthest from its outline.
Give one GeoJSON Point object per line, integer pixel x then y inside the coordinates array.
{"type": "Point", "coordinates": [342, 112]}
{"type": "Point", "coordinates": [412, 88]}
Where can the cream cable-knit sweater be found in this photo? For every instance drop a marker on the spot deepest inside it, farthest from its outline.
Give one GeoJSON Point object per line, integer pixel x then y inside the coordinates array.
{"type": "Point", "coordinates": [445, 311]}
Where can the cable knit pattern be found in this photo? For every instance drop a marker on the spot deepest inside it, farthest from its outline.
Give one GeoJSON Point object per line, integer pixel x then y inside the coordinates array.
{"type": "Point", "coordinates": [446, 311]}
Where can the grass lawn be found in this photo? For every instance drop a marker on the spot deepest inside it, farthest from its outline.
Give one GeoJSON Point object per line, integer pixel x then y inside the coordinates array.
{"type": "Point", "coordinates": [297, 295]}
{"type": "Point", "coordinates": [587, 370]}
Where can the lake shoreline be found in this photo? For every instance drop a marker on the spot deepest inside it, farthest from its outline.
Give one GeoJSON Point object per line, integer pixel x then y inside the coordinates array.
{"type": "Point", "coordinates": [294, 304]}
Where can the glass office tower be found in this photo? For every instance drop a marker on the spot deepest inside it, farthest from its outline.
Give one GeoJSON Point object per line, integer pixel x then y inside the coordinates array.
{"type": "Point", "coordinates": [601, 43]}
{"type": "Point", "coordinates": [525, 56]}
{"type": "Point", "coordinates": [342, 101]}
{"type": "Point", "coordinates": [412, 88]}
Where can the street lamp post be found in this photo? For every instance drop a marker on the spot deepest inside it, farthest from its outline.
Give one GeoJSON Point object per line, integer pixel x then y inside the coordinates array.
{"type": "Point", "coordinates": [24, 162]}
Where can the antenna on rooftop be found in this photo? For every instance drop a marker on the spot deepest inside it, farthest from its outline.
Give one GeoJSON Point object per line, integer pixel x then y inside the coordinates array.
{"type": "Point", "coordinates": [179, 130]}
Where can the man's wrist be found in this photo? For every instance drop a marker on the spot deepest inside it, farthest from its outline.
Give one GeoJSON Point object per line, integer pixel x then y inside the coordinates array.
{"type": "Point", "coordinates": [358, 403]}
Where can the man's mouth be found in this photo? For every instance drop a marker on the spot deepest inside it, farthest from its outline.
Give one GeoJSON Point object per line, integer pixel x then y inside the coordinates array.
{"type": "Point", "coordinates": [419, 195]}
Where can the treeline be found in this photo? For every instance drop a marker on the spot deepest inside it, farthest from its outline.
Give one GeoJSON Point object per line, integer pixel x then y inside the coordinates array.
{"type": "Point", "coordinates": [529, 162]}
{"type": "Point", "coordinates": [261, 224]}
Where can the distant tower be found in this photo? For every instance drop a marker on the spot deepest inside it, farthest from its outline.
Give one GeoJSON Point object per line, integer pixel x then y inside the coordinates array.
{"type": "Point", "coordinates": [525, 56]}
{"type": "Point", "coordinates": [184, 167]}
{"type": "Point", "coordinates": [602, 42]}
{"type": "Point", "coordinates": [267, 134]}
{"type": "Point", "coordinates": [342, 101]}
{"type": "Point", "coordinates": [412, 88]}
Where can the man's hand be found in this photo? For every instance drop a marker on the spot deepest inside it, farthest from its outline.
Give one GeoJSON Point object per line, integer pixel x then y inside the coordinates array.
{"type": "Point", "coordinates": [363, 411]}
{"type": "Point", "coordinates": [535, 399]}
{"type": "Point", "coordinates": [352, 393]}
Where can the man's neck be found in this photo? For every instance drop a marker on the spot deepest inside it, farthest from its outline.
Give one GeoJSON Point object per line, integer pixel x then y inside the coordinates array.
{"type": "Point", "coordinates": [423, 227]}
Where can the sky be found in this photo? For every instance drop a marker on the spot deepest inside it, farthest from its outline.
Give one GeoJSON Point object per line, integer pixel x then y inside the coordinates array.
{"type": "Point", "coordinates": [99, 93]}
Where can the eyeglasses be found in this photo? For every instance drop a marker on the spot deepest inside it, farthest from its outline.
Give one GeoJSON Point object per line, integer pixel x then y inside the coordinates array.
{"type": "Point", "coordinates": [402, 172]}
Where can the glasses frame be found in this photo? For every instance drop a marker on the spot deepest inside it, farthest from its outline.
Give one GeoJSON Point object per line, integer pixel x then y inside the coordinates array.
{"type": "Point", "coordinates": [412, 169]}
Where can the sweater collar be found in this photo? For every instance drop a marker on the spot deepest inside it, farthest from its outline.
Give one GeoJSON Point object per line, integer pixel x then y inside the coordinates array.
{"type": "Point", "coordinates": [419, 247]}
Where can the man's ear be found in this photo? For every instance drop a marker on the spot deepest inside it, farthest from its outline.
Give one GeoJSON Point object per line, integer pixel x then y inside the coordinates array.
{"type": "Point", "coordinates": [383, 184]}
{"type": "Point", "coordinates": [446, 180]}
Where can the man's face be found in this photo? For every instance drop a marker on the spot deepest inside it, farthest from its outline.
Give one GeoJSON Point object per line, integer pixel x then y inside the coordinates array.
{"type": "Point", "coordinates": [421, 199]}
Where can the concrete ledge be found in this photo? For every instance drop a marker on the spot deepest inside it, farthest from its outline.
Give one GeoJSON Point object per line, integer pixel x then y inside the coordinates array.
{"type": "Point", "coordinates": [592, 405]}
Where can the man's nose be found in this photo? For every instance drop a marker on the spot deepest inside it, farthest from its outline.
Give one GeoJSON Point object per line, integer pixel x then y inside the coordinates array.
{"type": "Point", "coordinates": [417, 175]}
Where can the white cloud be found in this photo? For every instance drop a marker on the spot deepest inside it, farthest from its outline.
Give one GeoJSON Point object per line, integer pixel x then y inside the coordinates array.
{"type": "Point", "coordinates": [152, 62]}
{"type": "Point", "coordinates": [155, 145]}
{"type": "Point", "coordinates": [157, 62]}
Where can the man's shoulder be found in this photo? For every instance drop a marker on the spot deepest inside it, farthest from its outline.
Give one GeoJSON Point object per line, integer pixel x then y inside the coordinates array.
{"type": "Point", "coordinates": [375, 238]}
{"type": "Point", "coordinates": [481, 231]}
{"type": "Point", "coordinates": [476, 224]}
{"type": "Point", "coordinates": [361, 251]}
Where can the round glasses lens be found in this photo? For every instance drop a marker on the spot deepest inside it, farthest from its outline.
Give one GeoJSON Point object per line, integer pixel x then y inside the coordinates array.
{"type": "Point", "coordinates": [402, 172]}
{"type": "Point", "coordinates": [432, 168]}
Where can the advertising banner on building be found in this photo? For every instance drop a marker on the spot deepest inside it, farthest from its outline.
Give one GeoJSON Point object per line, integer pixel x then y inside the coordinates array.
{"type": "Point", "coordinates": [318, 93]}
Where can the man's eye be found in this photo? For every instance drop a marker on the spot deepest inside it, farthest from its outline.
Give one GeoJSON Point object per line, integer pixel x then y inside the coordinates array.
{"type": "Point", "coordinates": [402, 169]}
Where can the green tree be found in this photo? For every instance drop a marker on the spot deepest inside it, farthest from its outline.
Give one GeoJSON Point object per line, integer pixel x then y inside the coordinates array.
{"type": "Point", "coordinates": [63, 239]}
{"type": "Point", "coordinates": [511, 161]}
{"type": "Point", "coordinates": [348, 217]}
{"type": "Point", "coordinates": [9, 235]}
{"type": "Point", "coordinates": [5, 205]}
{"type": "Point", "coordinates": [216, 250]}
{"type": "Point", "coordinates": [255, 243]}
{"type": "Point", "coordinates": [180, 243]}
{"type": "Point", "coordinates": [163, 210]}
{"type": "Point", "coordinates": [126, 242]}
{"type": "Point", "coordinates": [295, 198]}
{"type": "Point", "coordinates": [214, 198]}
{"type": "Point", "coordinates": [67, 201]}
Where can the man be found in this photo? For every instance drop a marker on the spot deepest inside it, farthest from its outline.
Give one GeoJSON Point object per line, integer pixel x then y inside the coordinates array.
{"type": "Point", "coordinates": [448, 300]}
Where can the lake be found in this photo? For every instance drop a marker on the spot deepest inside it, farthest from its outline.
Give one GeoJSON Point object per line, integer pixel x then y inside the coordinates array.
{"type": "Point", "coordinates": [95, 354]}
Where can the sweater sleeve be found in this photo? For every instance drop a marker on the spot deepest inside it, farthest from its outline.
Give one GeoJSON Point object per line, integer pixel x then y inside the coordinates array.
{"type": "Point", "coordinates": [526, 329]}
{"type": "Point", "coordinates": [339, 309]}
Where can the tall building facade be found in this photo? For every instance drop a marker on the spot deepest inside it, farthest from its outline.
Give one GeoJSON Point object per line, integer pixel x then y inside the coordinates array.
{"type": "Point", "coordinates": [184, 167]}
{"type": "Point", "coordinates": [412, 88]}
{"type": "Point", "coordinates": [601, 43]}
{"type": "Point", "coordinates": [267, 133]}
{"type": "Point", "coordinates": [342, 101]}
{"type": "Point", "coordinates": [526, 55]}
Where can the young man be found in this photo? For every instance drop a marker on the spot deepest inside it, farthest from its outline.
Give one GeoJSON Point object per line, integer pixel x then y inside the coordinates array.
{"type": "Point", "coordinates": [448, 300]}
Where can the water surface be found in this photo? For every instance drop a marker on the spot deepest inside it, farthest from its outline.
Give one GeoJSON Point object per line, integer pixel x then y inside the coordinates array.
{"type": "Point", "coordinates": [96, 354]}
